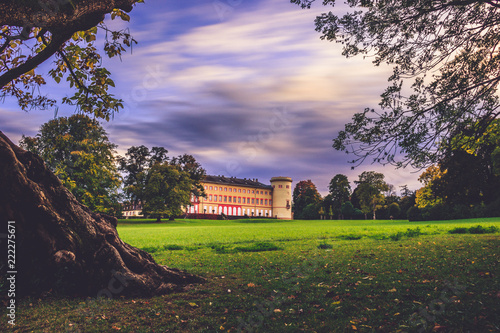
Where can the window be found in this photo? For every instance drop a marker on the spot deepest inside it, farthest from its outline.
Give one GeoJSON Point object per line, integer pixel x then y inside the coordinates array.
{"type": "Point", "coordinates": [220, 198]}
{"type": "Point", "coordinates": [210, 197]}
{"type": "Point", "coordinates": [230, 190]}
{"type": "Point", "coordinates": [220, 189]}
{"type": "Point", "coordinates": [225, 198]}
{"type": "Point", "coordinates": [230, 197]}
{"type": "Point", "coordinates": [265, 202]}
{"type": "Point", "coordinates": [239, 191]}
{"type": "Point", "coordinates": [234, 199]}
{"type": "Point", "coordinates": [215, 188]}
{"type": "Point", "coordinates": [265, 193]}
{"type": "Point", "coordinates": [253, 191]}
{"type": "Point", "coordinates": [215, 198]}
{"type": "Point", "coordinates": [244, 200]}
{"type": "Point", "coordinates": [225, 189]}
{"type": "Point", "coordinates": [274, 186]}
{"type": "Point", "coordinates": [261, 201]}
{"type": "Point", "coordinates": [210, 188]}
{"type": "Point", "coordinates": [253, 201]}
{"type": "Point", "coordinates": [270, 202]}
{"type": "Point", "coordinates": [244, 191]}
{"type": "Point", "coordinates": [239, 200]}
{"type": "Point", "coordinates": [280, 186]}
{"type": "Point", "coordinates": [288, 186]}
{"type": "Point", "coordinates": [206, 187]}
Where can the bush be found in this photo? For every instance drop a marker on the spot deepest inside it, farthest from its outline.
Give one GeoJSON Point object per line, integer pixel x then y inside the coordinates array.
{"type": "Point", "coordinates": [481, 230]}
{"type": "Point", "coordinates": [474, 230]}
{"type": "Point", "coordinates": [458, 231]}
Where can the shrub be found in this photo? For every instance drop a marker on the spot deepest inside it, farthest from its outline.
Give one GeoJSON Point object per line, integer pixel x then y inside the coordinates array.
{"type": "Point", "coordinates": [458, 231]}
{"type": "Point", "coordinates": [474, 230]}
{"type": "Point", "coordinates": [481, 230]}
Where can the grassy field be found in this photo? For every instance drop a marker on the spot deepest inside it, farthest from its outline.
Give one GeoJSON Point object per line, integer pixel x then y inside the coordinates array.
{"type": "Point", "coordinates": [301, 276]}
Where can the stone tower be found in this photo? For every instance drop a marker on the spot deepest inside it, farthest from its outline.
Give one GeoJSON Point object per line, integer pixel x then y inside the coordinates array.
{"type": "Point", "coordinates": [282, 197]}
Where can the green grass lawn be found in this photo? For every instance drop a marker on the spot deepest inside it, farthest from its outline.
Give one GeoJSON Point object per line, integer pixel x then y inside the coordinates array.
{"type": "Point", "coordinates": [296, 276]}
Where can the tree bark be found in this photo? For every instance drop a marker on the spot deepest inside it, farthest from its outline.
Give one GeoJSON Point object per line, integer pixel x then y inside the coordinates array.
{"type": "Point", "coordinates": [62, 246]}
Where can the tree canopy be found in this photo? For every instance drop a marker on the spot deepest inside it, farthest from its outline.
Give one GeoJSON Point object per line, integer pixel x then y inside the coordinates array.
{"type": "Point", "coordinates": [370, 187]}
{"type": "Point", "coordinates": [78, 151]}
{"type": "Point", "coordinates": [31, 32]}
{"type": "Point", "coordinates": [448, 50]}
{"type": "Point", "coordinates": [305, 193]}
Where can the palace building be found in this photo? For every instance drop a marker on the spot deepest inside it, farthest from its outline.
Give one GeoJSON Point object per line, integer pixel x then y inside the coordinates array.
{"type": "Point", "coordinates": [244, 197]}
{"type": "Point", "coordinates": [237, 197]}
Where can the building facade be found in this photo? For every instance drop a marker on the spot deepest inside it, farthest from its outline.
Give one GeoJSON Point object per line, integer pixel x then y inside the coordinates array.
{"type": "Point", "coordinates": [244, 197]}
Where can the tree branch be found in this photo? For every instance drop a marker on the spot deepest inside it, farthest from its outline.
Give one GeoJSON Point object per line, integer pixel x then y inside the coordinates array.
{"type": "Point", "coordinates": [56, 42]}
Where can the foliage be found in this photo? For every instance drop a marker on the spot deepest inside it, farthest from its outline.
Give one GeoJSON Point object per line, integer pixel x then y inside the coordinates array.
{"type": "Point", "coordinates": [31, 32]}
{"type": "Point", "coordinates": [163, 190]}
{"type": "Point", "coordinates": [469, 168]}
{"type": "Point", "coordinates": [394, 210]}
{"type": "Point", "coordinates": [304, 194]}
{"type": "Point", "coordinates": [347, 209]}
{"type": "Point", "coordinates": [369, 188]}
{"type": "Point", "coordinates": [457, 40]}
{"type": "Point", "coordinates": [78, 151]}
{"type": "Point", "coordinates": [137, 160]}
{"type": "Point", "coordinates": [340, 190]}
{"type": "Point", "coordinates": [474, 230]}
{"type": "Point", "coordinates": [425, 195]}
{"type": "Point", "coordinates": [414, 214]}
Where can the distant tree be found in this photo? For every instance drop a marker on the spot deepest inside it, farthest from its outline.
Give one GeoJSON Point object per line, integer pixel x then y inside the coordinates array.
{"type": "Point", "coordinates": [469, 175]}
{"type": "Point", "coordinates": [136, 160]}
{"type": "Point", "coordinates": [327, 204]}
{"type": "Point", "coordinates": [347, 209]}
{"type": "Point", "coordinates": [455, 41]}
{"type": "Point", "coordinates": [157, 181]}
{"type": "Point", "coordinates": [394, 210]}
{"type": "Point", "coordinates": [370, 187]}
{"type": "Point", "coordinates": [304, 193]}
{"type": "Point", "coordinates": [312, 211]}
{"type": "Point", "coordinates": [78, 151]}
{"type": "Point", "coordinates": [189, 164]}
{"type": "Point", "coordinates": [425, 196]}
{"type": "Point", "coordinates": [165, 190]}
{"type": "Point", "coordinates": [405, 191]}
{"type": "Point", "coordinates": [340, 190]}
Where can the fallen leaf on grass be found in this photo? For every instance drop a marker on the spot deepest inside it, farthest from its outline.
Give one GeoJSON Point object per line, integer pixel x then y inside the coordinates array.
{"type": "Point", "coordinates": [251, 285]}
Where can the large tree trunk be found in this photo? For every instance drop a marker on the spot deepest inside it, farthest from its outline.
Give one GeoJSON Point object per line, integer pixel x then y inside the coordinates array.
{"type": "Point", "coordinates": [62, 246]}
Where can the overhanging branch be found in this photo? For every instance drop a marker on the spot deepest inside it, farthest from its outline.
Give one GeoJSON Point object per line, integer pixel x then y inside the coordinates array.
{"type": "Point", "coordinates": [56, 42]}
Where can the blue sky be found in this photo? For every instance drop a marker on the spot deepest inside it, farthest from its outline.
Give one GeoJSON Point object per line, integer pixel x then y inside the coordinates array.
{"type": "Point", "coordinates": [247, 87]}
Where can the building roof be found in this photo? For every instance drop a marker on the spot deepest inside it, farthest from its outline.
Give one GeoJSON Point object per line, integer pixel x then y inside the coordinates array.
{"type": "Point", "coordinates": [233, 181]}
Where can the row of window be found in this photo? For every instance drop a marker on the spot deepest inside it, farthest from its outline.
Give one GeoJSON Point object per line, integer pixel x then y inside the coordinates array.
{"type": "Point", "coordinates": [281, 186]}
{"type": "Point", "coordinates": [230, 189]}
{"type": "Point", "coordinates": [238, 211]}
{"type": "Point", "coordinates": [248, 201]}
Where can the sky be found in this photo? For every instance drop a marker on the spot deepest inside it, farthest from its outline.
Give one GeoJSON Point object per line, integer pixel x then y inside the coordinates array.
{"type": "Point", "coordinates": [246, 87]}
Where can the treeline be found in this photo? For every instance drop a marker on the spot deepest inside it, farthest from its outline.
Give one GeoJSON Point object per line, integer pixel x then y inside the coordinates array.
{"type": "Point", "coordinates": [372, 198]}
{"type": "Point", "coordinates": [464, 183]}
{"type": "Point", "coordinates": [78, 151]}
